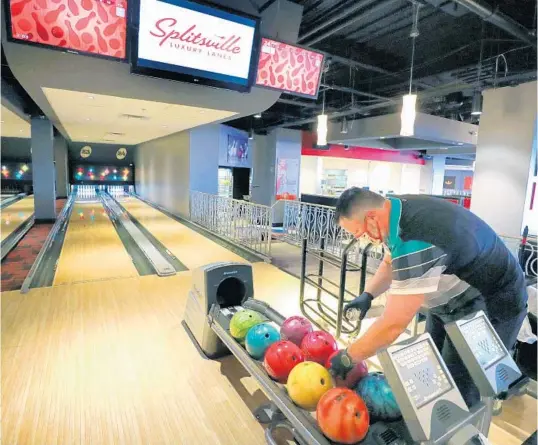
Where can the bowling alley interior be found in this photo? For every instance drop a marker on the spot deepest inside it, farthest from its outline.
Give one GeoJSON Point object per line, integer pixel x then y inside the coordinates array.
{"type": "Point", "coordinates": [219, 222]}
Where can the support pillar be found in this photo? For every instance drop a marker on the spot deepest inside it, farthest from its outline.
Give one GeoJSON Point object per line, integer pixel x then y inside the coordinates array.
{"type": "Point", "coordinates": [438, 163]}
{"type": "Point", "coordinates": [503, 157]}
{"type": "Point", "coordinates": [61, 162]}
{"type": "Point", "coordinates": [43, 169]}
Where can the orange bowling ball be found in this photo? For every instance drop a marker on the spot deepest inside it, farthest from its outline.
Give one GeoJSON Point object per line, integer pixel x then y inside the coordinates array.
{"type": "Point", "coordinates": [343, 416]}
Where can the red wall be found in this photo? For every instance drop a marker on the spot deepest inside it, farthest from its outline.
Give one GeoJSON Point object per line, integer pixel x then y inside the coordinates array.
{"type": "Point", "coordinates": [352, 152]}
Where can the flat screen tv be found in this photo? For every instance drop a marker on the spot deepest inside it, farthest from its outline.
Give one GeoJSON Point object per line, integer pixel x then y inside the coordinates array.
{"type": "Point", "coordinates": [289, 68]}
{"type": "Point", "coordinates": [194, 42]}
{"type": "Point", "coordinates": [80, 26]}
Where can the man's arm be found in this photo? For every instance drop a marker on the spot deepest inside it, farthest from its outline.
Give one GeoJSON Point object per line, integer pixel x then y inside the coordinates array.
{"type": "Point", "coordinates": [399, 311]}
{"type": "Point", "coordinates": [382, 278]}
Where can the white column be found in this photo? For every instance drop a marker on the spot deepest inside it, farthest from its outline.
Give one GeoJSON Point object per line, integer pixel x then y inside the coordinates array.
{"type": "Point", "coordinates": [438, 164]}
{"type": "Point", "coordinates": [426, 178]}
{"type": "Point", "coordinates": [503, 156]}
{"type": "Point", "coordinates": [43, 176]}
{"type": "Point", "coordinates": [61, 161]}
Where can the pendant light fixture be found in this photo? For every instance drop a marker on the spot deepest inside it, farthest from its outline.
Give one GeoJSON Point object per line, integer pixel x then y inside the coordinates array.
{"type": "Point", "coordinates": [322, 123]}
{"type": "Point", "coordinates": [476, 104]}
{"type": "Point", "coordinates": [410, 100]}
{"type": "Point", "coordinates": [343, 129]}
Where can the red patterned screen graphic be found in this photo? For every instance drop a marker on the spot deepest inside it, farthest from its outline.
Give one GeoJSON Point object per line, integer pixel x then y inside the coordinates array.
{"type": "Point", "coordinates": [289, 68]}
{"type": "Point", "coordinates": [91, 26]}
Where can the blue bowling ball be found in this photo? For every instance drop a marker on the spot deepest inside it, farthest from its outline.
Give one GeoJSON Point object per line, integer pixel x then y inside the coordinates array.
{"type": "Point", "coordinates": [259, 338]}
{"type": "Point", "coordinates": [378, 396]}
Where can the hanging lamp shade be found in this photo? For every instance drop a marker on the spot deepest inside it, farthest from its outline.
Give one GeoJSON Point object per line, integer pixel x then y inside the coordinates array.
{"type": "Point", "coordinates": [343, 128]}
{"type": "Point", "coordinates": [408, 115]}
{"type": "Point", "coordinates": [476, 107]}
{"type": "Point", "coordinates": [322, 129]}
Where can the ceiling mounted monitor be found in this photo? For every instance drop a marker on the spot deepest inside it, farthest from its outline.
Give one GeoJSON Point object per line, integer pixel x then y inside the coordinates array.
{"type": "Point", "coordinates": [192, 42]}
{"type": "Point", "coordinates": [79, 26]}
{"type": "Point", "coordinates": [289, 68]}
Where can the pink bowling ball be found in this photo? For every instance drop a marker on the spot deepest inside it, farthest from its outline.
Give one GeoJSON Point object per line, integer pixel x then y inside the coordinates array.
{"type": "Point", "coordinates": [295, 328]}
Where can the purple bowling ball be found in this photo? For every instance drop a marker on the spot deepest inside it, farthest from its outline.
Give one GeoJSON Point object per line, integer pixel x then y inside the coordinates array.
{"type": "Point", "coordinates": [295, 328]}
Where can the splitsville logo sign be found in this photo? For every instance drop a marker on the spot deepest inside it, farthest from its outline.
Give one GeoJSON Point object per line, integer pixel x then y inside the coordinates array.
{"type": "Point", "coordinates": [200, 38]}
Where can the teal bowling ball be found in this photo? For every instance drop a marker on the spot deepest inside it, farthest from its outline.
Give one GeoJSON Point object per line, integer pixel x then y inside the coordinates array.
{"type": "Point", "coordinates": [378, 396]}
{"type": "Point", "coordinates": [259, 338]}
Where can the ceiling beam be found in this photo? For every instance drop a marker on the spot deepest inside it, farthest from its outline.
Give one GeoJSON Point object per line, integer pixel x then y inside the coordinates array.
{"type": "Point", "coordinates": [341, 16]}
{"type": "Point", "coordinates": [298, 103]}
{"type": "Point", "coordinates": [353, 91]}
{"type": "Point", "coordinates": [377, 8]}
{"type": "Point", "coordinates": [497, 18]}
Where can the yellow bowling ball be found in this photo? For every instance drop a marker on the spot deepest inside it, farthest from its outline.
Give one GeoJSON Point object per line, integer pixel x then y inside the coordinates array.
{"type": "Point", "coordinates": [307, 382]}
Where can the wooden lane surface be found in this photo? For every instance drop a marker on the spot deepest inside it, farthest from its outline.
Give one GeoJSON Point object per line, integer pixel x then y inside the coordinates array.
{"type": "Point", "coordinates": [92, 249]}
{"type": "Point", "coordinates": [110, 364]}
{"type": "Point", "coordinates": [14, 215]}
{"type": "Point", "coordinates": [190, 247]}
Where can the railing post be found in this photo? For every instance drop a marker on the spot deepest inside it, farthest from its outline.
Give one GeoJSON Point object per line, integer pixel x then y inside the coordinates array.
{"type": "Point", "coordinates": [364, 263]}
{"type": "Point", "coordinates": [303, 271]}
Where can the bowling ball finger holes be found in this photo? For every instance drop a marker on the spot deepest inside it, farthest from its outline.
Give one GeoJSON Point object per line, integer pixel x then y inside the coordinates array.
{"type": "Point", "coordinates": [322, 381]}
{"type": "Point", "coordinates": [266, 335]}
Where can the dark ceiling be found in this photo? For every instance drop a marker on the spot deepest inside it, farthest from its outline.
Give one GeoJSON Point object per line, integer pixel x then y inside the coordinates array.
{"type": "Point", "coordinates": [375, 33]}
{"type": "Point", "coordinates": [369, 53]}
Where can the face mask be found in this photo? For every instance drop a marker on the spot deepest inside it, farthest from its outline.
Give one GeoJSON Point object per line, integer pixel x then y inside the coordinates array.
{"type": "Point", "coordinates": [369, 236]}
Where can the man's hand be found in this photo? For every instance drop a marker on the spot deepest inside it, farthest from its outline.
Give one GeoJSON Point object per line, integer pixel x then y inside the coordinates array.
{"type": "Point", "coordinates": [362, 303]}
{"type": "Point", "coordinates": [341, 364]}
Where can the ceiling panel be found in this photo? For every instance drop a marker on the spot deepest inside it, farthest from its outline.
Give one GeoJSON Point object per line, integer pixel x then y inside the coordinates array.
{"type": "Point", "coordinates": [88, 117]}
{"type": "Point", "coordinates": [13, 126]}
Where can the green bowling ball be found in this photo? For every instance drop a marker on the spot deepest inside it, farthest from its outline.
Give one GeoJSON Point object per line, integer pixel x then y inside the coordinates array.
{"type": "Point", "coordinates": [242, 321]}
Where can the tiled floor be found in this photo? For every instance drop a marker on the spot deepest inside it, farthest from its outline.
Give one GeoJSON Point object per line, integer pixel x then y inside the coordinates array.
{"type": "Point", "coordinates": [19, 261]}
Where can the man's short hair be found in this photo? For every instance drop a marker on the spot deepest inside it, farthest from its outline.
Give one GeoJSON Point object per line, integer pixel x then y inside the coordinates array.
{"type": "Point", "coordinates": [354, 199]}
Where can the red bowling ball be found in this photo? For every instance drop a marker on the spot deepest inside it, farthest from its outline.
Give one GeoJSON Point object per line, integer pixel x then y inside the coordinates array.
{"type": "Point", "coordinates": [318, 346]}
{"type": "Point", "coordinates": [295, 328]}
{"type": "Point", "coordinates": [280, 358]}
{"type": "Point", "coordinates": [359, 371]}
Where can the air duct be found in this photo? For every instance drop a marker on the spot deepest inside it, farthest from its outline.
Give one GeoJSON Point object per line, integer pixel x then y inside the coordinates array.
{"type": "Point", "coordinates": [497, 18]}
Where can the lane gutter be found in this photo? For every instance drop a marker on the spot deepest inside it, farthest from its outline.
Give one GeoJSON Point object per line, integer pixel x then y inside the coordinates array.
{"type": "Point", "coordinates": [178, 265]}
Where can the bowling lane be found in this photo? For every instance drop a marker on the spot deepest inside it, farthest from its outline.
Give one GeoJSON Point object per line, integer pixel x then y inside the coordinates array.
{"type": "Point", "coordinates": [14, 215]}
{"type": "Point", "coordinates": [92, 249]}
{"type": "Point", "coordinates": [191, 248]}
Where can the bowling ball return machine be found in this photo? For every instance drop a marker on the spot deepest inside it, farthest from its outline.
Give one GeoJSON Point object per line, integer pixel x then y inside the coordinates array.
{"type": "Point", "coordinates": [434, 412]}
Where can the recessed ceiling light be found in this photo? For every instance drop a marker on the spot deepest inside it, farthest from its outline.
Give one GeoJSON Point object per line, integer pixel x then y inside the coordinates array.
{"type": "Point", "coordinates": [258, 116]}
{"type": "Point", "coordinates": [20, 131]}
{"type": "Point", "coordinates": [202, 111]}
{"type": "Point", "coordinates": [88, 119]}
{"type": "Point", "coordinates": [91, 97]}
{"type": "Point", "coordinates": [165, 126]}
{"type": "Point", "coordinates": [460, 143]}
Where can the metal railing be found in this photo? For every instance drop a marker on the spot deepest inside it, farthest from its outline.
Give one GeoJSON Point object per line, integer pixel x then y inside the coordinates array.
{"type": "Point", "coordinates": [316, 223]}
{"type": "Point", "coordinates": [525, 250]}
{"type": "Point", "coordinates": [244, 223]}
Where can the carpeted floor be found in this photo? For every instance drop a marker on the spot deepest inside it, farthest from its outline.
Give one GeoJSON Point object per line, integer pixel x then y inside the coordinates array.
{"type": "Point", "coordinates": [19, 261]}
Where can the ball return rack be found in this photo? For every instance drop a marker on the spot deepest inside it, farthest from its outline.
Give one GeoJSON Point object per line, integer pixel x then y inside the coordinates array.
{"type": "Point", "coordinates": [433, 409]}
{"type": "Point", "coordinates": [318, 305]}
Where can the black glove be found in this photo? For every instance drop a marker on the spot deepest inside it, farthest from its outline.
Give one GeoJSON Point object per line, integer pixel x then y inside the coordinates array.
{"type": "Point", "coordinates": [362, 303]}
{"type": "Point", "coordinates": [341, 364]}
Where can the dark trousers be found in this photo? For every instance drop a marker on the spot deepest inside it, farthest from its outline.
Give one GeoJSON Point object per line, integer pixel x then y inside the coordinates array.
{"type": "Point", "coordinates": [507, 329]}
